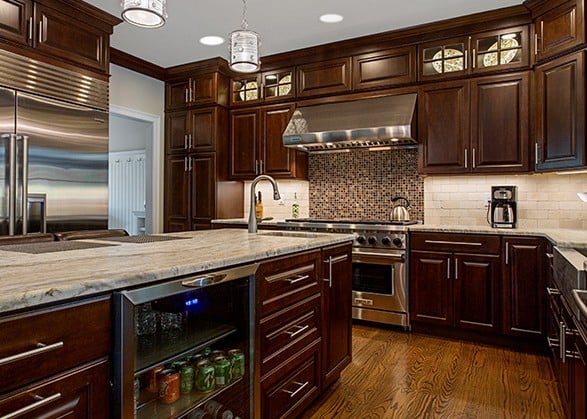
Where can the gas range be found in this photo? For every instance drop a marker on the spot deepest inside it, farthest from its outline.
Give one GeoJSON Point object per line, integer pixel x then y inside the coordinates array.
{"type": "Point", "coordinates": [370, 234]}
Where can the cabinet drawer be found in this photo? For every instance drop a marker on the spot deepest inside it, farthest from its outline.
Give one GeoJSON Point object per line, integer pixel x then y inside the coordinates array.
{"type": "Point", "coordinates": [448, 242]}
{"type": "Point", "coordinates": [81, 393]}
{"type": "Point", "coordinates": [289, 390]}
{"type": "Point", "coordinates": [286, 280]}
{"type": "Point", "coordinates": [45, 342]}
{"type": "Point", "coordinates": [287, 332]}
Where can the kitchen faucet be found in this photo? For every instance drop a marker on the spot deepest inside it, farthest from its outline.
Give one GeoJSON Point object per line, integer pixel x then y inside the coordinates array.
{"type": "Point", "coordinates": [276, 196]}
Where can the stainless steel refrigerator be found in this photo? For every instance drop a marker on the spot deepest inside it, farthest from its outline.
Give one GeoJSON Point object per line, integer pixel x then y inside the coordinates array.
{"type": "Point", "coordinates": [53, 165]}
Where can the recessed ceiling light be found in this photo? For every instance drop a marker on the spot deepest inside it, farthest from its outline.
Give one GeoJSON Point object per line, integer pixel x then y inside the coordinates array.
{"type": "Point", "coordinates": [211, 40]}
{"type": "Point", "coordinates": [331, 18]}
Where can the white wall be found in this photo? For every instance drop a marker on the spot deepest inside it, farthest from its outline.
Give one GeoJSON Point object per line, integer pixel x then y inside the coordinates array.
{"type": "Point", "coordinates": [142, 94]}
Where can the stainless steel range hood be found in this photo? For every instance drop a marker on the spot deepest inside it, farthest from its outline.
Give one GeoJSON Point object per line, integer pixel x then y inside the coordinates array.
{"type": "Point", "coordinates": [378, 122]}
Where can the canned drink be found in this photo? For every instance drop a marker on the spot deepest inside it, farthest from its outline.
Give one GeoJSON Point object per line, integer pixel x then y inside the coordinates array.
{"type": "Point", "coordinates": [194, 359]}
{"type": "Point", "coordinates": [206, 351]}
{"type": "Point", "coordinates": [222, 371]}
{"type": "Point", "coordinates": [176, 365]}
{"type": "Point", "coordinates": [153, 385]}
{"type": "Point", "coordinates": [237, 363]}
{"type": "Point", "coordinates": [168, 386]}
{"type": "Point", "coordinates": [218, 410]}
{"type": "Point", "coordinates": [186, 378]}
{"type": "Point", "coordinates": [204, 377]}
{"type": "Point", "coordinates": [216, 353]}
{"type": "Point", "coordinates": [199, 413]}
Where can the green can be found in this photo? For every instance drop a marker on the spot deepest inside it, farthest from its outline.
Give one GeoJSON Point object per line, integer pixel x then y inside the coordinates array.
{"type": "Point", "coordinates": [222, 371]}
{"type": "Point", "coordinates": [206, 351]}
{"type": "Point", "coordinates": [204, 376]}
{"type": "Point", "coordinates": [237, 363]}
{"type": "Point", "coordinates": [186, 379]}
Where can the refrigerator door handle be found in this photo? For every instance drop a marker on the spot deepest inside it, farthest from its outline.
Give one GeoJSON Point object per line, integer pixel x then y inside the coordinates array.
{"type": "Point", "coordinates": [25, 183]}
{"type": "Point", "coordinates": [11, 183]}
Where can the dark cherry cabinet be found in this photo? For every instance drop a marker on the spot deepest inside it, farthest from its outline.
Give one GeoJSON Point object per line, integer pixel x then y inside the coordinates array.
{"type": "Point", "coordinates": [386, 68]}
{"type": "Point", "coordinates": [193, 130]}
{"type": "Point", "coordinates": [523, 286]}
{"type": "Point", "coordinates": [337, 309]}
{"type": "Point", "coordinates": [560, 113]}
{"type": "Point", "coordinates": [202, 89]}
{"type": "Point", "coordinates": [324, 77]}
{"type": "Point", "coordinates": [177, 193]}
{"type": "Point", "coordinates": [559, 29]}
{"type": "Point", "coordinates": [203, 189]}
{"type": "Point", "coordinates": [269, 86]}
{"type": "Point", "coordinates": [454, 281]}
{"type": "Point", "coordinates": [16, 20]}
{"type": "Point", "coordinates": [256, 145]}
{"type": "Point", "coordinates": [475, 126]}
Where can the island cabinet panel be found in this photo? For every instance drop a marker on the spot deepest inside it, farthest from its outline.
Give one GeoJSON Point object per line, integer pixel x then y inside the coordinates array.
{"type": "Point", "coordinates": [384, 68]}
{"type": "Point", "coordinates": [560, 29]}
{"type": "Point", "coordinates": [63, 338]}
{"type": "Point", "coordinates": [81, 394]}
{"type": "Point", "coordinates": [324, 77]}
{"type": "Point", "coordinates": [524, 286]}
{"type": "Point", "coordinates": [15, 20]}
{"type": "Point", "coordinates": [454, 281]}
{"type": "Point", "coordinates": [337, 307]}
{"type": "Point", "coordinates": [560, 113]}
{"type": "Point", "coordinates": [62, 35]}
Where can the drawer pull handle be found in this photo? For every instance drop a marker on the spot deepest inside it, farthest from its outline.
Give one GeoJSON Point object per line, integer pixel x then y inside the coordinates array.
{"type": "Point", "coordinates": [40, 349]}
{"type": "Point", "coordinates": [553, 291]}
{"type": "Point", "coordinates": [297, 332]}
{"type": "Point", "coordinates": [293, 394]}
{"type": "Point", "coordinates": [449, 242]}
{"type": "Point", "coordinates": [40, 402]}
{"type": "Point", "coordinates": [297, 278]}
{"type": "Point", "coordinates": [552, 343]}
{"type": "Point", "coordinates": [363, 301]}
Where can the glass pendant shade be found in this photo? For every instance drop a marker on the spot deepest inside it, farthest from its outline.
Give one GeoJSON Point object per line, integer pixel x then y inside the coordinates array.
{"type": "Point", "coordinates": [145, 13]}
{"type": "Point", "coordinates": [244, 51]}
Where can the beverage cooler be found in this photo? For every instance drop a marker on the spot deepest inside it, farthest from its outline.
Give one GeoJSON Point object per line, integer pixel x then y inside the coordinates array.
{"type": "Point", "coordinates": [184, 348]}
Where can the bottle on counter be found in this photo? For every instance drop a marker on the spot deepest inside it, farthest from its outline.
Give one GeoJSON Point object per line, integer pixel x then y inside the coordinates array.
{"type": "Point", "coordinates": [259, 206]}
{"type": "Point", "coordinates": [295, 207]}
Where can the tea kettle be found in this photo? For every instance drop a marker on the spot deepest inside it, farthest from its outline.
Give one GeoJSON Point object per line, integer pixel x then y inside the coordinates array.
{"type": "Point", "coordinates": [400, 212]}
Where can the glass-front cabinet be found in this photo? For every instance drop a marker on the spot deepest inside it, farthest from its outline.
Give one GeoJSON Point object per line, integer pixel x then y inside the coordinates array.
{"type": "Point", "coordinates": [263, 87]}
{"type": "Point", "coordinates": [184, 348]}
{"type": "Point", "coordinates": [485, 52]}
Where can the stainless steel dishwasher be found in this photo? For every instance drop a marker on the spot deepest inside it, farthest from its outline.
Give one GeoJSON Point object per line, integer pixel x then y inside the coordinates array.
{"type": "Point", "coordinates": [185, 346]}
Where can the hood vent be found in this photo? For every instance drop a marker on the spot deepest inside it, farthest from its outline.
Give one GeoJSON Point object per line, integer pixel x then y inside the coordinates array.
{"type": "Point", "coordinates": [368, 123]}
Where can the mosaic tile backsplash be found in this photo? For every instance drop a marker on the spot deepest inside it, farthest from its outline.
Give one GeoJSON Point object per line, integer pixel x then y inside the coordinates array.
{"type": "Point", "coordinates": [361, 183]}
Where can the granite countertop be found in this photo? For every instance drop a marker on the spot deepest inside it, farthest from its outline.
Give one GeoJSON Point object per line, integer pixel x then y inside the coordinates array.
{"type": "Point", "coordinates": [33, 279]}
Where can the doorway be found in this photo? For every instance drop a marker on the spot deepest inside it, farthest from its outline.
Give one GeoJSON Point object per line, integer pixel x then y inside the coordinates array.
{"type": "Point", "coordinates": [134, 191]}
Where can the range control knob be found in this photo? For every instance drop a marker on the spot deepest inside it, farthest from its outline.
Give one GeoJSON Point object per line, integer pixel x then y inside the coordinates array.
{"type": "Point", "coordinates": [361, 239]}
{"type": "Point", "coordinates": [372, 240]}
{"type": "Point", "coordinates": [386, 241]}
{"type": "Point", "coordinates": [397, 241]}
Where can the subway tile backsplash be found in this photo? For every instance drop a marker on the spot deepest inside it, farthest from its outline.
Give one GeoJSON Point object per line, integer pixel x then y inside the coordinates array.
{"type": "Point", "coordinates": [360, 184]}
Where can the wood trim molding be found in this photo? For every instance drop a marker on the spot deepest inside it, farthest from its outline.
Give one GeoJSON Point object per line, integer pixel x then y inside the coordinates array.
{"type": "Point", "coordinates": [139, 65]}
{"type": "Point", "coordinates": [108, 20]}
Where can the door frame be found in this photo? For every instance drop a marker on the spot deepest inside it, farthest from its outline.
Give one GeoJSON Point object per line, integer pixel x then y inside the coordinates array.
{"type": "Point", "coordinates": [153, 161]}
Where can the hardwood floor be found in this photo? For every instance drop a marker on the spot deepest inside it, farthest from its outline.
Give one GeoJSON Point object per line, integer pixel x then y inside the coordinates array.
{"type": "Point", "coordinates": [403, 375]}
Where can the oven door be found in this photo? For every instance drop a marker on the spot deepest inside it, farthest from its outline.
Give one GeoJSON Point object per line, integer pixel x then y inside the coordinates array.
{"type": "Point", "coordinates": [379, 280]}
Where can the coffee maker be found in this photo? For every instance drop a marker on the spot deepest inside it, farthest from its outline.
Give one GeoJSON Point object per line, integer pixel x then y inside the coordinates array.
{"type": "Point", "coordinates": [503, 206]}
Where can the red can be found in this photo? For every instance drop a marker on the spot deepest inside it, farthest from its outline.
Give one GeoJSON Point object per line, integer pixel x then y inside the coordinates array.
{"type": "Point", "coordinates": [152, 384]}
{"type": "Point", "coordinates": [168, 386]}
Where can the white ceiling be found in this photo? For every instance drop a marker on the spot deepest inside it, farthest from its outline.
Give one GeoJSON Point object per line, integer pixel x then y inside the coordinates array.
{"type": "Point", "coordinates": [283, 25]}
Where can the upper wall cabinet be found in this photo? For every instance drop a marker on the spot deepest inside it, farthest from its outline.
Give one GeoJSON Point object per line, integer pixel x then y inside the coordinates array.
{"type": "Point", "coordinates": [324, 77]}
{"type": "Point", "coordinates": [277, 85]}
{"type": "Point", "coordinates": [203, 89]}
{"type": "Point", "coordinates": [15, 20]}
{"type": "Point", "coordinates": [387, 68]}
{"type": "Point", "coordinates": [559, 29]}
{"type": "Point", "coordinates": [500, 50]}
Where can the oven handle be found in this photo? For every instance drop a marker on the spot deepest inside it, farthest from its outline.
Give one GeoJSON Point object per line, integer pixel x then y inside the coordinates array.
{"type": "Point", "coordinates": [378, 258]}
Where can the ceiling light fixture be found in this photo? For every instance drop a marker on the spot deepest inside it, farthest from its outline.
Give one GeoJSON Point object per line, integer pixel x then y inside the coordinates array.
{"type": "Point", "coordinates": [331, 18]}
{"type": "Point", "coordinates": [145, 13]}
{"type": "Point", "coordinates": [244, 47]}
{"type": "Point", "coordinates": [211, 40]}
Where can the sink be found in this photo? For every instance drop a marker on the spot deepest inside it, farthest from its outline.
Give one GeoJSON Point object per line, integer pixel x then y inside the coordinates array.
{"type": "Point", "coordinates": [298, 234]}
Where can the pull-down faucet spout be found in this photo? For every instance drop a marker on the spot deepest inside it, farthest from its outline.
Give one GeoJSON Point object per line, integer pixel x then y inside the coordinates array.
{"type": "Point", "coordinates": [276, 196]}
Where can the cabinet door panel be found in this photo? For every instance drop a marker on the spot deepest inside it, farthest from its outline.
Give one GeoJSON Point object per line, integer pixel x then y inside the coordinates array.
{"type": "Point", "coordinates": [14, 19]}
{"type": "Point", "coordinates": [277, 159]}
{"type": "Point", "coordinates": [430, 290]}
{"type": "Point", "coordinates": [176, 132]}
{"type": "Point", "coordinates": [63, 36]}
{"type": "Point", "coordinates": [203, 187]}
{"type": "Point", "coordinates": [499, 120]}
{"type": "Point", "coordinates": [443, 126]}
{"type": "Point", "coordinates": [177, 194]}
{"type": "Point", "coordinates": [560, 119]}
{"type": "Point", "coordinates": [560, 29]}
{"type": "Point", "coordinates": [203, 129]}
{"type": "Point", "coordinates": [177, 94]}
{"type": "Point", "coordinates": [243, 144]}
{"type": "Point", "coordinates": [523, 287]}
{"type": "Point", "coordinates": [384, 68]}
{"type": "Point", "coordinates": [476, 291]}
{"type": "Point", "coordinates": [324, 77]}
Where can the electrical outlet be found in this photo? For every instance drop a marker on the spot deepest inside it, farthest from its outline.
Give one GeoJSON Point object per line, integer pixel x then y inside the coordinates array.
{"type": "Point", "coordinates": [280, 202]}
{"type": "Point", "coordinates": [487, 196]}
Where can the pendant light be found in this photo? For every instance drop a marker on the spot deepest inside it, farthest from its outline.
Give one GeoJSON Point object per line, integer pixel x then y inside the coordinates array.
{"type": "Point", "coordinates": [244, 47]}
{"type": "Point", "coordinates": [145, 13]}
